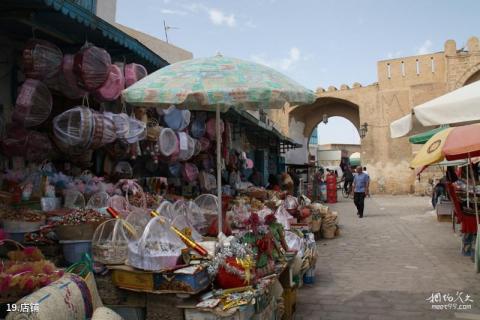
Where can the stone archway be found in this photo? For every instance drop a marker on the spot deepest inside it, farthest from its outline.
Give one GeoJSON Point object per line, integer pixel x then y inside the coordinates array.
{"type": "Point", "coordinates": [470, 76]}
{"type": "Point", "coordinates": [304, 119]}
{"type": "Point", "coordinates": [312, 115]}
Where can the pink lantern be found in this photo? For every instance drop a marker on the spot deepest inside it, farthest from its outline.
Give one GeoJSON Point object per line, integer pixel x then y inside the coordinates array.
{"type": "Point", "coordinates": [33, 105]}
{"type": "Point", "coordinates": [133, 73]}
{"type": "Point", "coordinates": [69, 85]}
{"type": "Point", "coordinates": [92, 66]}
{"type": "Point", "coordinates": [114, 85]}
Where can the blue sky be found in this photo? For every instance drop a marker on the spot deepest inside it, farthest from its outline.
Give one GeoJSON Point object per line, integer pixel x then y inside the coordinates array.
{"type": "Point", "coordinates": [317, 43]}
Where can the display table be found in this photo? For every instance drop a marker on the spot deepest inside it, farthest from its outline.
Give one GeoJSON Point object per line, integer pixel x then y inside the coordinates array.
{"type": "Point", "coordinates": [154, 306]}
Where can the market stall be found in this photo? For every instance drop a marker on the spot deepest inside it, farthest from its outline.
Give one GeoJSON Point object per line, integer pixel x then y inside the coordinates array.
{"type": "Point", "coordinates": [106, 201]}
{"type": "Point", "coordinates": [455, 144]}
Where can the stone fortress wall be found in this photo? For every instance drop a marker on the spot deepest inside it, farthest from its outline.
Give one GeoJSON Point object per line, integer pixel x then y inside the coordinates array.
{"type": "Point", "coordinates": [402, 84]}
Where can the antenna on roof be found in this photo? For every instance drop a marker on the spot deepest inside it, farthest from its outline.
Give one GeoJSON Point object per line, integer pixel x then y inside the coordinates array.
{"type": "Point", "coordinates": [166, 28]}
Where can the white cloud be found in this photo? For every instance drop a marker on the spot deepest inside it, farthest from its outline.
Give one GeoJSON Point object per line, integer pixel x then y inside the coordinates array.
{"type": "Point", "coordinates": [219, 18]}
{"type": "Point", "coordinates": [216, 16]}
{"type": "Point", "coordinates": [284, 64]}
{"type": "Point", "coordinates": [174, 12]}
{"type": "Point", "coordinates": [425, 48]}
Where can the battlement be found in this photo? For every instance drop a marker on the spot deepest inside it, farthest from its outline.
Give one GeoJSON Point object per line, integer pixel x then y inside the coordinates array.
{"type": "Point", "coordinates": [414, 70]}
{"type": "Point", "coordinates": [343, 87]}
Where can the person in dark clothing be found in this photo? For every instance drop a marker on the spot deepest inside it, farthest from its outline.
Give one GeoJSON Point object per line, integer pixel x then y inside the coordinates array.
{"type": "Point", "coordinates": [348, 179]}
{"type": "Point", "coordinates": [273, 183]}
{"type": "Point", "coordinates": [256, 178]}
{"type": "Point", "coordinates": [438, 191]}
{"type": "Point", "coordinates": [361, 185]}
{"type": "Point", "coordinates": [296, 181]}
{"type": "Point", "coordinates": [451, 175]}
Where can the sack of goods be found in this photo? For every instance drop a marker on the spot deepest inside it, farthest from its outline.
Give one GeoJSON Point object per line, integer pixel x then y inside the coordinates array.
{"type": "Point", "coordinates": [329, 225]}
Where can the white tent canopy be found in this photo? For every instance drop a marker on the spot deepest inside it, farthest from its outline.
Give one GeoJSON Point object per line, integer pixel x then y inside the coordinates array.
{"type": "Point", "coordinates": [461, 105]}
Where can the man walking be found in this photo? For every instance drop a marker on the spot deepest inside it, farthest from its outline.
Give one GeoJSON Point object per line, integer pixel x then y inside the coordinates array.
{"type": "Point", "coordinates": [361, 185]}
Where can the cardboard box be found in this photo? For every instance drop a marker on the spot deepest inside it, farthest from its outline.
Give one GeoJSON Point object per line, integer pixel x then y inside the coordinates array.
{"type": "Point", "coordinates": [190, 280]}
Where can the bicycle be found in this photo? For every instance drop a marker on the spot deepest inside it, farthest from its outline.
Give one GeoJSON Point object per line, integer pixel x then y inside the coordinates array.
{"type": "Point", "coordinates": [346, 193]}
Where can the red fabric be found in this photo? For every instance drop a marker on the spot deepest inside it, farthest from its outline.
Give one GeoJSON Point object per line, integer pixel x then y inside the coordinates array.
{"type": "Point", "coordinates": [469, 222]}
{"type": "Point", "coordinates": [463, 142]}
{"type": "Point", "coordinates": [227, 280]}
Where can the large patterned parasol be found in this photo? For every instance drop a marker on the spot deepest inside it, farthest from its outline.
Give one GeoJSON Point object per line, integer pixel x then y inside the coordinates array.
{"type": "Point", "coordinates": [217, 84]}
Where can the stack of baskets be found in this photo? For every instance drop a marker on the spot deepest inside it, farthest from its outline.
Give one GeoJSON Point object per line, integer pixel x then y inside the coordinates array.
{"type": "Point", "coordinates": [110, 241]}
{"type": "Point", "coordinates": [82, 128]}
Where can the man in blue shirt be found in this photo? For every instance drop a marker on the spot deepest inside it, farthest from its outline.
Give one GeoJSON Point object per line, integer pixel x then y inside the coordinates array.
{"type": "Point", "coordinates": [361, 185]}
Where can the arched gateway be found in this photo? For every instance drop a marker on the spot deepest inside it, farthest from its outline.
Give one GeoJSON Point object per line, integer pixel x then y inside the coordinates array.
{"type": "Point", "coordinates": [402, 84]}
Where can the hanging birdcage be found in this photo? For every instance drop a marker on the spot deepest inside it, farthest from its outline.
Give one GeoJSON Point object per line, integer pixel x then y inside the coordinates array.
{"type": "Point", "coordinates": [41, 59]}
{"type": "Point", "coordinates": [133, 73]}
{"type": "Point", "coordinates": [92, 65]}
{"type": "Point", "coordinates": [33, 104]}
{"type": "Point", "coordinates": [113, 86]}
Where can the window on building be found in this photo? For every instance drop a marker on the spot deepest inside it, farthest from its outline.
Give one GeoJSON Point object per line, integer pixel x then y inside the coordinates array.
{"type": "Point", "coordinates": [417, 65]}
{"type": "Point", "coordinates": [432, 62]}
{"type": "Point", "coordinates": [402, 66]}
{"type": "Point", "coordinates": [389, 71]}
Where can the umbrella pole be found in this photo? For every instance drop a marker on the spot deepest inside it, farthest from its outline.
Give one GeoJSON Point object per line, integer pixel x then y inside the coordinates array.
{"type": "Point", "coordinates": [474, 191]}
{"type": "Point", "coordinates": [219, 169]}
{"type": "Point", "coordinates": [468, 187]}
{"type": "Point", "coordinates": [477, 244]}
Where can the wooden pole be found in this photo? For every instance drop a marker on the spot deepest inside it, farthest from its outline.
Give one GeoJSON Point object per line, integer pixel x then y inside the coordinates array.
{"type": "Point", "coordinates": [219, 169]}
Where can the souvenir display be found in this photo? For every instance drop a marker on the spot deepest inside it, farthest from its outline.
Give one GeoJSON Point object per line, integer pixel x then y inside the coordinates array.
{"type": "Point", "coordinates": [186, 146]}
{"type": "Point", "coordinates": [190, 172]}
{"type": "Point", "coordinates": [32, 145]}
{"type": "Point", "coordinates": [116, 188]}
{"type": "Point", "coordinates": [177, 119]}
{"type": "Point", "coordinates": [198, 128]}
{"type": "Point", "coordinates": [158, 248]}
{"type": "Point", "coordinates": [168, 142]}
{"type": "Point", "coordinates": [110, 241]}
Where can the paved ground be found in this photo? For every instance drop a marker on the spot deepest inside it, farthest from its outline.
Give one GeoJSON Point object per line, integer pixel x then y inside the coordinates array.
{"type": "Point", "coordinates": [387, 264]}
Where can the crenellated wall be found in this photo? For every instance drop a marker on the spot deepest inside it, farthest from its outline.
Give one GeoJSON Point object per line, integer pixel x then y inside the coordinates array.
{"type": "Point", "coordinates": [402, 84]}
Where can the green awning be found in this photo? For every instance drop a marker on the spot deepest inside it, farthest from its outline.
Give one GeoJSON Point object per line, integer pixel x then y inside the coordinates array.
{"type": "Point", "coordinates": [355, 161]}
{"type": "Point", "coordinates": [423, 137]}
